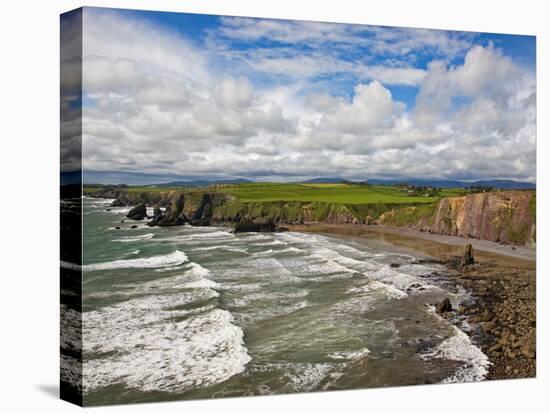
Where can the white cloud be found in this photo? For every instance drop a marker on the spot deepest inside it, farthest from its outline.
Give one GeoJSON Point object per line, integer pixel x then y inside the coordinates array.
{"type": "Point", "coordinates": [160, 104]}
{"type": "Point", "coordinates": [372, 107]}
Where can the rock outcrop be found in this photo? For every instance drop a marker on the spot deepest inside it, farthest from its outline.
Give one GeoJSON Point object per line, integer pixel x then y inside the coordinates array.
{"type": "Point", "coordinates": [200, 213]}
{"type": "Point", "coordinates": [245, 226]}
{"type": "Point", "coordinates": [139, 212]}
{"type": "Point", "coordinates": [468, 258]}
{"type": "Point", "coordinates": [173, 215]}
{"type": "Point", "coordinates": [444, 306]}
{"type": "Point", "coordinates": [505, 217]}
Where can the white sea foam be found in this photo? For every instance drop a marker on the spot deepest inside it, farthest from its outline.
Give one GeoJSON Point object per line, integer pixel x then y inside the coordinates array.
{"type": "Point", "coordinates": [142, 237]}
{"type": "Point", "coordinates": [399, 279]}
{"type": "Point", "coordinates": [118, 210]}
{"type": "Point", "coordinates": [70, 371]}
{"type": "Point", "coordinates": [71, 334]}
{"type": "Point", "coordinates": [69, 265]}
{"type": "Point", "coordinates": [321, 268]}
{"type": "Point", "coordinates": [221, 247]}
{"type": "Point", "coordinates": [459, 347]}
{"type": "Point", "coordinates": [388, 291]}
{"type": "Point", "coordinates": [101, 200]}
{"type": "Point", "coordinates": [273, 242]}
{"type": "Point", "coordinates": [163, 355]}
{"type": "Point", "coordinates": [194, 276]}
{"type": "Point", "coordinates": [362, 265]}
{"type": "Point", "coordinates": [210, 235]}
{"type": "Point", "coordinates": [261, 269]}
{"type": "Point", "coordinates": [199, 238]}
{"type": "Point", "coordinates": [308, 377]}
{"type": "Point", "coordinates": [350, 355]}
{"type": "Point", "coordinates": [171, 259]}
{"type": "Point", "coordinates": [273, 297]}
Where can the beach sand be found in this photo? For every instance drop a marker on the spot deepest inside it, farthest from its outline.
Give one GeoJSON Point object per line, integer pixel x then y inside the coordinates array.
{"type": "Point", "coordinates": [503, 281]}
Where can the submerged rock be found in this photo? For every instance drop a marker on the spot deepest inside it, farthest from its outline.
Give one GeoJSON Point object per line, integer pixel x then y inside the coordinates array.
{"type": "Point", "coordinates": [415, 287]}
{"type": "Point", "coordinates": [139, 212]}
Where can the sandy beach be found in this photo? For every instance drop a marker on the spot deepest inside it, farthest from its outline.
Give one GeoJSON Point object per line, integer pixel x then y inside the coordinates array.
{"type": "Point", "coordinates": [434, 245]}
{"type": "Point", "coordinates": [503, 280]}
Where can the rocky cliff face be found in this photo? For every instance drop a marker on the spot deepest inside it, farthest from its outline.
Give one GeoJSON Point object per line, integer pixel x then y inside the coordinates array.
{"type": "Point", "coordinates": [504, 217]}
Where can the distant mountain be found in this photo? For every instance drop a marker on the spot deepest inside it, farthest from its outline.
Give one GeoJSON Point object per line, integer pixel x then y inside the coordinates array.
{"type": "Point", "coordinates": [331, 180]}
{"type": "Point", "coordinates": [501, 184]}
{"type": "Point", "coordinates": [200, 183]}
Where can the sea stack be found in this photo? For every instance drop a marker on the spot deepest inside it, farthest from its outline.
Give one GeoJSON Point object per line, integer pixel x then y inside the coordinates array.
{"type": "Point", "coordinates": [139, 212]}
{"type": "Point", "coordinates": [468, 255]}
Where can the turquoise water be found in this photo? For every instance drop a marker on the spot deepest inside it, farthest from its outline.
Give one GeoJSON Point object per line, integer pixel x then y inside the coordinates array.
{"type": "Point", "coordinates": [184, 312]}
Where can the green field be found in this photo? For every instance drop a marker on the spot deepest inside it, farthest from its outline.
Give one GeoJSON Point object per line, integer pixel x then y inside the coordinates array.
{"type": "Point", "coordinates": [328, 193]}
{"type": "Point", "coordinates": [341, 193]}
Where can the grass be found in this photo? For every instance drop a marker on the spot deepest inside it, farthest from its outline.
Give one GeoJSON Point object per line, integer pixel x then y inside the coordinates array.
{"type": "Point", "coordinates": [408, 216]}
{"type": "Point", "coordinates": [341, 193]}
{"type": "Point", "coordinates": [326, 193]}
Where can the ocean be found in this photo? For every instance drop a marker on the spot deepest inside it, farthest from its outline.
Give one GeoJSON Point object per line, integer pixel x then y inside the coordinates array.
{"type": "Point", "coordinates": [198, 312]}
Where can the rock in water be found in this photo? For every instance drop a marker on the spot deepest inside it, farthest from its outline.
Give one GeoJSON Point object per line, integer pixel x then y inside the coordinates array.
{"type": "Point", "coordinates": [444, 306]}
{"type": "Point", "coordinates": [468, 256]}
{"type": "Point", "coordinates": [245, 226]}
{"type": "Point", "coordinates": [139, 212]}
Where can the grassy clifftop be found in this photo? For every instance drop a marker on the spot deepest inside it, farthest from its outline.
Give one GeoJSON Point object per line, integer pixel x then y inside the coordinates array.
{"type": "Point", "coordinates": [286, 203]}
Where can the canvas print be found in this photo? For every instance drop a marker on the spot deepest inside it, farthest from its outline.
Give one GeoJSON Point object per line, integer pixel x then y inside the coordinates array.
{"type": "Point", "coordinates": [260, 207]}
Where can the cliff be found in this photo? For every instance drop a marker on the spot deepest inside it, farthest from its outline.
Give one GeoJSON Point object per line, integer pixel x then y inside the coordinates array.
{"type": "Point", "coordinates": [505, 217]}
{"type": "Point", "coordinates": [189, 205]}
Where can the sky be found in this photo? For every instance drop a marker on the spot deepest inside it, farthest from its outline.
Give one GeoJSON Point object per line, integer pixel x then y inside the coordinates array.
{"type": "Point", "coordinates": [174, 95]}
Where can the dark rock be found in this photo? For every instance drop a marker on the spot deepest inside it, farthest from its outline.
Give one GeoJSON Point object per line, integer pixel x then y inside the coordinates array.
{"type": "Point", "coordinates": [134, 226]}
{"type": "Point", "coordinates": [172, 216]}
{"type": "Point", "coordinates": [245, 226]}
{"type": "Point", "coordinates": [118, 203]}
{"type": "Point", "coordinates": [423, 345]}
{"type": "Point", "coordinates": [108, 209]}
{"type": "Point", "coordinates": [395, 265]}
{"type": "Point", "coordinates": [204, 213]}
{"type": "Point", "coordinates": [468, 258]}
{"type": "Point", "coordinates": [415, 287]}
{"type": "Point", "coordinates": [118, 228]}
{"type": "Point", "coordinates": [139, 212]}
{"type": "Point", "coordinates": [444, 306]}
{"type": "Point", "coordinates": [157, 212]}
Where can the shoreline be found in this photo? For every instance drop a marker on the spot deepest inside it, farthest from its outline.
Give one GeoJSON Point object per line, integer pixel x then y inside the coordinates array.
{"type": "Point", "coordinates": [502, 280]}
{"type": "Point", "coordinates": [438, 246]}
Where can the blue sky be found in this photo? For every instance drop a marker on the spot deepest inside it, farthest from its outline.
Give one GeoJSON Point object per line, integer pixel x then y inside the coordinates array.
{"type": "Point", "coordinates": [198, 27]}
{"type": "Point", "coordinates": [183, 94]}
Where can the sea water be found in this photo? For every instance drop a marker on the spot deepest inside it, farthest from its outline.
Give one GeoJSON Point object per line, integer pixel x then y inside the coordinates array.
{"type": "Point", "coordinates": [199, 312]}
